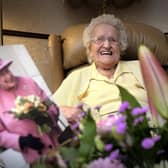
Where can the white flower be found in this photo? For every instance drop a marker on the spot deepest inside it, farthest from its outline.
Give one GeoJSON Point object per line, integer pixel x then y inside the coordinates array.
{"type": "Point", "coordinates": [18, 100]}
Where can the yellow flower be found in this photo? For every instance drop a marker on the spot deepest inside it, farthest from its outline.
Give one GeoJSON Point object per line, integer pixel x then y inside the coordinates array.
{"type": "Point", "coordinates": [26, 108]}
{"type": "Point", "coordinates": [42, 107]}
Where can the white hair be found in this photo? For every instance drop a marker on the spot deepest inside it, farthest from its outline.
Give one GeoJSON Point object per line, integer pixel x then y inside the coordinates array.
{"type": "Point", "coordinates": [106, 19]}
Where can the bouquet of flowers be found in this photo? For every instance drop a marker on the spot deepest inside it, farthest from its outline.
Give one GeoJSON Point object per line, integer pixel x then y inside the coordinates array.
{"type": "Point", "coordinates": [130, 139]}
{"type": "Point", "coordinates": [31, 107]}
{"type": "Point", "coordinates": [126, 140]}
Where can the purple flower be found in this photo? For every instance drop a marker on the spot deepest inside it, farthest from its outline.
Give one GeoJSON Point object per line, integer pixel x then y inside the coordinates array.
{"type": "Point", "coordinates": [108, 147]}
{"type": "Point", "coordinates": [124, 106]}
{"type": "Point", "coordinates": [136, 111]}
{"type": "Point", "coordinates": [144, 110]}
{"type": "Point", "coordinates": [121, 118]}
{"type": "Point", "coordinates": [147, 143]}
{"type": "Point", "coordinates": [121, 128]}
{"type": "Point", "coordinates": [75, 138]}
{"type": "Point", "coordinates": [81, 114]}
{"type": "Point", "coordinates": [114, 155]}
{"type": "Point", "coordinates": [138, 120]}
{"type": "Point", "coordinates": [80, 106]}
{"type": "Point", "coordinates": [75, 126]}
{"type": "Point", "coordinates": [98, 107]}
{"type": "Point", "coordinates": [139, 110]}
{"type": "Point", "coordinates": [106, 163]}
{"type": "Point", "coordinates": [156, 138]}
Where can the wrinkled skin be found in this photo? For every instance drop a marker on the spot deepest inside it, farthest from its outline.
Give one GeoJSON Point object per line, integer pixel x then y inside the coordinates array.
{"type": "Point", "coordinates": [106, 55]}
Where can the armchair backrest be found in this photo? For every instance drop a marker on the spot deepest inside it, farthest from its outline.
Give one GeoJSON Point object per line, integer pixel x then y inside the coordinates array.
{"type": "Point", "coordinates": [67, 51]}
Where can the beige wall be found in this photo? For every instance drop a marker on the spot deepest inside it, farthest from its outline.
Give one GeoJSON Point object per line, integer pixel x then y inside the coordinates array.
{"type": "Point", "coordinates": [44, 16]}
{"type": "Point", "coordinates": [52, 16]}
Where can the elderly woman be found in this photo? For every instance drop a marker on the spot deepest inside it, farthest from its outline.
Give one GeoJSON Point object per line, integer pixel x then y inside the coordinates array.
{"type": "Point", "coordinates": [21, 135]}
{"type": "Point", "coordinates": [105, 40]}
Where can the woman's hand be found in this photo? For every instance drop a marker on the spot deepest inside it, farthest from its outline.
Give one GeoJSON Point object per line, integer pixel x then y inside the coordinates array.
{"type": "Point", "coordinates": [70, 113]}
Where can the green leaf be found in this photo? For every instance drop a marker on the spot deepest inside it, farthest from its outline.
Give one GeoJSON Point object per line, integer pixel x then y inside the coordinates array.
{"type": "Point", "coordinates": [99, 144]}
{"type": "Point", "coordinates": [126, 96]}
{"type": "Point", "coordinates": [87, 145]}
{"type": "Point", "coordinates": [71, 155]}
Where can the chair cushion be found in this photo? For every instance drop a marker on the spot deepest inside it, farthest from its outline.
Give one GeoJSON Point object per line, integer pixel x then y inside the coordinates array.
{"type": "Point", "coordinates": [153, 38]}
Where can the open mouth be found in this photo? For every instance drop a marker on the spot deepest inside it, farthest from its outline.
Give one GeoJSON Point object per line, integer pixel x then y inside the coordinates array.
{"type": "Point", "coordinates": [106, 53]}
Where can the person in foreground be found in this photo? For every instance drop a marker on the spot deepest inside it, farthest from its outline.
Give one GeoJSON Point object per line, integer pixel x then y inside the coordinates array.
{"type": "Point", "coordinates": [22, 135]}
{"type": "Point", "coordinates": [105, 40]}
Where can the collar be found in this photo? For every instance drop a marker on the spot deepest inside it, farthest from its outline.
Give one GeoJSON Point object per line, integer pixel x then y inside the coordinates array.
{"type": "Point", "coordinates": [121, 68]}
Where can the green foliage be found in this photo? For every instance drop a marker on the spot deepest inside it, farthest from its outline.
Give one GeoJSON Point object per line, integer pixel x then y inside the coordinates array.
{"type": "Point", "coordinates": [87, 139]}
{"type": "Point", "coordinates": [126, 96]}
{"type": "Point", "coordinates": [82, 152]}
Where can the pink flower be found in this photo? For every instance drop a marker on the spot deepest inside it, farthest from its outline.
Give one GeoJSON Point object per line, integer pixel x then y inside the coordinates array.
{"type": "Point", "coordinates": [104, 126]}
{"type": "Point", "coordinates": [105, 163]}
{"type": "Point", "coordinates": [156, 82]}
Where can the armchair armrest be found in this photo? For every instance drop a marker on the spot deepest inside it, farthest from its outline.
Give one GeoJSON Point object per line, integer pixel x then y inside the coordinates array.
{"type": "Point", "coordinates": [55, 58]}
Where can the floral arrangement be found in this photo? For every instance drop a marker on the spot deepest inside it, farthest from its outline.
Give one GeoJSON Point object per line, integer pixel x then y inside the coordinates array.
{"type": "Point", "coordinates": [31, 107]}
{"type": "Point", "coordinates": [130, 139]}
{"type": "Point", "coordinates": [125, 140]}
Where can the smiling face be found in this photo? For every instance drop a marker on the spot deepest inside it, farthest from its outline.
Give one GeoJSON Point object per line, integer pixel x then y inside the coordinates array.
{"type": "Point", "coordinates": [104, 49]}
{"type": "Point", "coordinates": [7, 80]}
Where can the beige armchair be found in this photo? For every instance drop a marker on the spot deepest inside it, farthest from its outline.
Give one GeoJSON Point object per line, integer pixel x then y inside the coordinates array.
{"type": "Point", "coordinates": [66, 52]}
